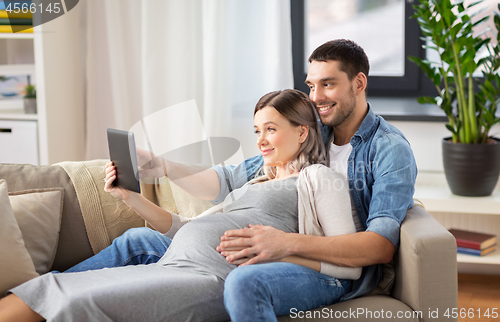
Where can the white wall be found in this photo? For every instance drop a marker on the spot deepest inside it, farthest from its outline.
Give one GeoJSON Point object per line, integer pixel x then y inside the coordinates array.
{"type": "Point", "coordinates": [61, 91]}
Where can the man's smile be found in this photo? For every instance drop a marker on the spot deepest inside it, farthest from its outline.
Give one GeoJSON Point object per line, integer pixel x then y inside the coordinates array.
{"type": "Point", "coordinates": [324, 109]}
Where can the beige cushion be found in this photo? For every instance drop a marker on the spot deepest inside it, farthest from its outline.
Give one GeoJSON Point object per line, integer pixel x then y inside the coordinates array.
{"type": "Point", "coordinates": [38, 214]}
{"type": "Point", "coordinates": [16, 266]}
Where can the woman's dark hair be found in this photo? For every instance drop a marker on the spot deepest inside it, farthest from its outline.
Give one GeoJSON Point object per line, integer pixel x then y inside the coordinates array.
{"type": "Point", "coordinates": [296, 107]}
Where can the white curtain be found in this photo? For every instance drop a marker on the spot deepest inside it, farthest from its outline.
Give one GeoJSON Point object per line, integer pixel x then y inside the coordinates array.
{"type": "Point", "coordinates": [143, 56]}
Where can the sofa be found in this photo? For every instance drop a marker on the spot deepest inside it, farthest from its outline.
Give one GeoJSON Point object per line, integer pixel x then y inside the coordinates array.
{"type": "Point", "coordinates": [420, 284]}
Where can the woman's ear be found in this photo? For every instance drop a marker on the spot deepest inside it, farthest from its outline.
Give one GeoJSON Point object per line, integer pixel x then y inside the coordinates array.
{"type": "Point", "coordinates": [304, 131]}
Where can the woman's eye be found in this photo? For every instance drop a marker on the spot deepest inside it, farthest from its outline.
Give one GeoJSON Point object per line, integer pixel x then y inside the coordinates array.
{"type": "Point", "coordinates": [271, 129]}
{"type": "Point", "coordinates": [257, 132]}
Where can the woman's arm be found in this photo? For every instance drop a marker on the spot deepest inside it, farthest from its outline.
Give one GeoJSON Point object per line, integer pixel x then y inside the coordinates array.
{"type": "Point", "coordinates": [326, 204]}
{"type": "Point", "coordinates": [158, 217]}
{"type": "Point", "coordinates": [311, 263]}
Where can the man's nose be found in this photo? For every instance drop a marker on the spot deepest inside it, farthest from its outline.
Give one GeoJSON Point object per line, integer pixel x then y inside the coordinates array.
{"type": "Point", "coordinates": [317, 95]}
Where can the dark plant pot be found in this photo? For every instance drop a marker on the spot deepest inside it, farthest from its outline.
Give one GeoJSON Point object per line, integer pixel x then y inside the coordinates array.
{"type": "Point", "coordinates": [471, 169]}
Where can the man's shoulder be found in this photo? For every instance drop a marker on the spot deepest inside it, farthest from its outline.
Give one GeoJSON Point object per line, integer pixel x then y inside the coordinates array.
{"type": "Point", "coordinates": [388, 142]}
{"type": "Point", "coordinates": [388, 132]}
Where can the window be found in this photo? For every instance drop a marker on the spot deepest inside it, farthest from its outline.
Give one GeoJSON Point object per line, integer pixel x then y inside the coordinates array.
{"type": "Point", "coordinates": [382, 27]}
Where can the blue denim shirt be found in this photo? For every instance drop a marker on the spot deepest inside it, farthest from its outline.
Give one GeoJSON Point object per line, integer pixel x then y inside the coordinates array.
{"type": "Point", "coordinates": [381, 173]}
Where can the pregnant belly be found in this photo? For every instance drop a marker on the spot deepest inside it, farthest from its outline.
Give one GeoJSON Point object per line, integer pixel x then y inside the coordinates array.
{"type": "Point", "coordinates": [193, 247]}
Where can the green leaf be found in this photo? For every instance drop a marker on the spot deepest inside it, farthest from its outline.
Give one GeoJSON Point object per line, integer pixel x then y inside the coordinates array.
{"type": "Point", "coordinates": [480, 21]}
{"type": "Point", "coordinates": [449, 127]}
{"type": "Point", "coordinates": [474, 4]}
{"type": "Point", "coordinates": [488, 118]}
{"type": "Point", "coordinates": [446, 13]}
{"type": "Point", "coordinates": [430, 47]}
{"type": "Point", "coordinates": [427, 100]}
{"type": "Point", "coordinates": [454, 31]}
{"type": "Point", "coordinates": [481, 43]}
{"type": "Point", "coordinates": [425, 66]}
{"type": "Point", "coordinates": [489, 86]}
{"type": "Point", "coordinates": [437, 79]}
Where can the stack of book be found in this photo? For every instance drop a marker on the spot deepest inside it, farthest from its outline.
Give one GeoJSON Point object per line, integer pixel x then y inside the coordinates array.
{"type": "Point", "coordinates": [15, 16]}
{"type": "Point", "coordinates": [474, 243]}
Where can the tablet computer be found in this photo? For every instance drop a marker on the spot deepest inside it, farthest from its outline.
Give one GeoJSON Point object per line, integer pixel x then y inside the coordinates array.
{"type": "Point", "coordinates": [122, 153]}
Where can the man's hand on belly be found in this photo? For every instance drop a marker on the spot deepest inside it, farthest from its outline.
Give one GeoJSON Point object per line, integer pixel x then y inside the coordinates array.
{"type": "Point", "coordinates": [256, 244]}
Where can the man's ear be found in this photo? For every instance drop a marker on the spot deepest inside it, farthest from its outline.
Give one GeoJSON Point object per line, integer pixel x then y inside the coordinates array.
{"type": "Point", "coordinates": [361, 82]}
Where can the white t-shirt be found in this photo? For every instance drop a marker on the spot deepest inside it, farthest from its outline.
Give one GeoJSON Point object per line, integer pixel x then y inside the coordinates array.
{"type": "Point", "coordinates": [338, 163]}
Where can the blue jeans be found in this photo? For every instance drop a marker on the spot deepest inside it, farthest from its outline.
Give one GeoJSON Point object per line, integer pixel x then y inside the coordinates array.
{"type": "Point", "coordinates": [136, 246]}
{"type": "Point", "coordinates": [263, 291]}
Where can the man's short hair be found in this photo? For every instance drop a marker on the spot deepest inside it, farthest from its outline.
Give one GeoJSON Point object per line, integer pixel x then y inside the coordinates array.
{"type": "Point", "coordinates": [351, 56]}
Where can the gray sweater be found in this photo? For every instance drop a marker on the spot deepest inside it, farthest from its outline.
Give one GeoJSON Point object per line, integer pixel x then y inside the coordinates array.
{"type": "Point", "coordinates": [272, 203]}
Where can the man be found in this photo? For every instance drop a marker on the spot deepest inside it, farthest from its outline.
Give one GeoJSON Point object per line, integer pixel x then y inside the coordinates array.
{"type": "Point", "coordinates": [379, 168]}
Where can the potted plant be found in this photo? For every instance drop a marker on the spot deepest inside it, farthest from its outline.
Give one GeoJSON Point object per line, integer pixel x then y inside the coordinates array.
{"type": "Point", "coordinates": [30, 99]}
{"type": "Point", "coordinates": [471, 156]}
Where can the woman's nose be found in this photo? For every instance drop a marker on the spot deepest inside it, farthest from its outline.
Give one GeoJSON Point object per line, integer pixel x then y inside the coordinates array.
{"type": "Point", "coordinates": [261, 140]}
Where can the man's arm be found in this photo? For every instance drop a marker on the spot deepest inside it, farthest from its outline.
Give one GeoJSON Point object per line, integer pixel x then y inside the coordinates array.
{"type": "Point", "coordinates": [213, 183]}
{"type": "Point", "coordinates": [202, 184]}
{"type": "Point", "coordinates": [200, 181]}
{"type": "Point", "coordinates": [267, 244]}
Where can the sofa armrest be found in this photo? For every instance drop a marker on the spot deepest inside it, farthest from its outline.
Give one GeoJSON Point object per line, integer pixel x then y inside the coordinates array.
{"type": "Point", "coordinates": [426, 265]}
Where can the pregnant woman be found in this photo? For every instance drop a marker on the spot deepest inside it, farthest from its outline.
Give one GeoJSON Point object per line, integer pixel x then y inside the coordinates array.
{"type": "Point", "coordinates": [187, 283]}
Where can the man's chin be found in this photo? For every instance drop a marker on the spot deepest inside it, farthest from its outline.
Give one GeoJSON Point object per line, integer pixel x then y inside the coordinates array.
{"type": "Point", "coordinates": [326, 120]}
